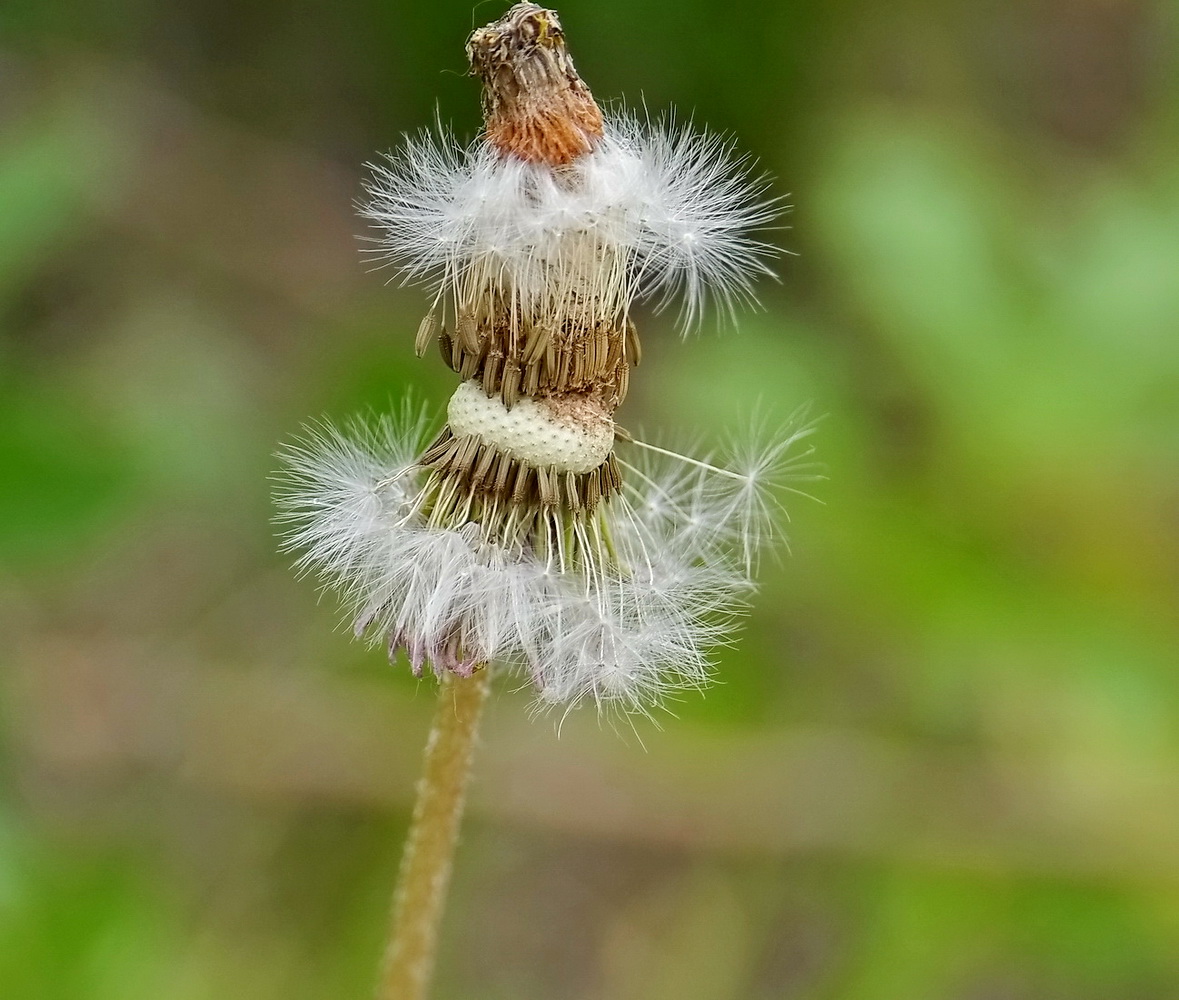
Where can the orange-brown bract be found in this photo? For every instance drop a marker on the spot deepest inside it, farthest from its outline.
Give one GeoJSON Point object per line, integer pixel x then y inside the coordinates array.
{"type": "Point", "coordinates": [535, 106]}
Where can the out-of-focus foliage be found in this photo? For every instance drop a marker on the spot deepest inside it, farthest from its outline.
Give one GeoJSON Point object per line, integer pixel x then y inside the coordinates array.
{"type": "Point", "coordinates": [943, 762]}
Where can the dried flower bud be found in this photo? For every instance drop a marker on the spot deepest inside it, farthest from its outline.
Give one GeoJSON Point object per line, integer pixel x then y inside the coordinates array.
{"type": "Point", "coordinates": [535, 106]}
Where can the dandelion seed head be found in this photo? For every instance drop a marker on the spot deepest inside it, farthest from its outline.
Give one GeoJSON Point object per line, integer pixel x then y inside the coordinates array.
{"type": "Point", "coordinates": [529, 533]}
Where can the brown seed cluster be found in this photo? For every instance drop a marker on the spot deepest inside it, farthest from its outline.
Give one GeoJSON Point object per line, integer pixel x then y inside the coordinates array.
{"type": "Point", "coordinates": [542, 361]}
{"type": "Point", "coordinates": [470, 468]}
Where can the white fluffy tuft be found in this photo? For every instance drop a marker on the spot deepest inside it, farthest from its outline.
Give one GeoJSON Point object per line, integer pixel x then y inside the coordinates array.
{"type": "Point", "coordinates": [676, 203]}
{"type": "Point", "coordinates": [666, 566]}
{"type": "Point", "coordinates": [697, 206]}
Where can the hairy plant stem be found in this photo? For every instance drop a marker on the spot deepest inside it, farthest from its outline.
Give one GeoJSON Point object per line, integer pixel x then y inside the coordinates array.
{"type": "Point", "coordinates": [433, 835]}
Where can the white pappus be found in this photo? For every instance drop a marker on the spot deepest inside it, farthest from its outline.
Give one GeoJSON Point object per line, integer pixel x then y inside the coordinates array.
{"type": "Point", "coordinates": [673, 203]}
{"type": "Point", "coordinates": [623, 620]}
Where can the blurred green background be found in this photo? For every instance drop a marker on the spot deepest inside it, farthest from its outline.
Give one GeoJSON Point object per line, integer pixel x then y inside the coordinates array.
{"type": "Point", "coordinates": [943, 761]}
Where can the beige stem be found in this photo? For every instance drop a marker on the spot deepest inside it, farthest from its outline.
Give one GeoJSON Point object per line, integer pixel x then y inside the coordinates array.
{"type": "Point", "coordinates": [433, 835]}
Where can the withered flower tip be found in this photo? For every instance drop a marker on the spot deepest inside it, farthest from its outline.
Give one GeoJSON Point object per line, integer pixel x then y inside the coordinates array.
{"type": "Point", "coordinates": [535, 106]}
